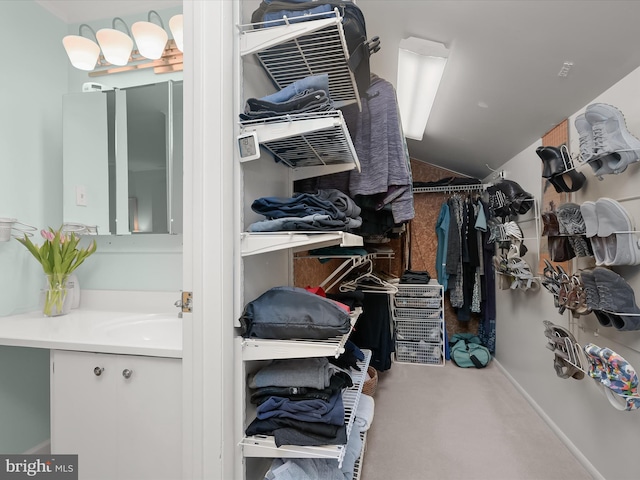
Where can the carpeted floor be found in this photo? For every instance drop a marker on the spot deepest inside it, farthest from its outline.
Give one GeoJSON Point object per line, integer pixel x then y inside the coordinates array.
{"type": "Point", "coordinates": [450, 423]}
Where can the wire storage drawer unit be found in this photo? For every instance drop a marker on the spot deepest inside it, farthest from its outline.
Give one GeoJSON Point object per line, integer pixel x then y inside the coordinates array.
{"type": "Point", "coordinates": [419, 323]}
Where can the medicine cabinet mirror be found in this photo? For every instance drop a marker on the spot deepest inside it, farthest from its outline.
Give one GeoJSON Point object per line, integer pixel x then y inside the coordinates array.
{"type": "Point", "coordinates": [122, 160]}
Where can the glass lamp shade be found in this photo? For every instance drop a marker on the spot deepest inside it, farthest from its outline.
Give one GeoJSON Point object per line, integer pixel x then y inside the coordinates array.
{"type": "Point", "coordinates": [116, 46]}
{"type": "Point", "coordinates": [83, 53]}
{"type": "Point", "coordinates": [150, 38]}
{"type": "Point", "coordinates": [175, 24]}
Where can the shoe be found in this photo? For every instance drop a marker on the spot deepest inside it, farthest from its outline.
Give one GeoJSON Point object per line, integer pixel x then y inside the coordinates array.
{"type": "Point", "coordinates": [592, 298]}
{"type": "Point", "coordinates": [553, 161]}
{"type": "Point", "coordinates": [621, 381]}
{"type": "Point", "coordinates": [598, 163]}
{"type": "Point", "coordinates": [610, 136]}
{"type": "Point", "coordinates": [560, 249]}
{"type": "Point", "coordinates": [588, 211]}
{"type": "Point", "coordinates": [572, 224]}
{"type": "Point", "coordinates": [570, 219]}
{"type": "Point", "coordinates": [567, 363]}
{"type": "Point", "coordinates": [520, 202]}
{"type": "Point", "coordinates": [550, 226]}
{"type": "Point", "coordinates": [585, 139]}
{"type": "Point", "coordinates": [615, 225]}
{"type": "Point", "coordinates": [617, 297]}
{"type": "Point", "coordinates": [557, 167]}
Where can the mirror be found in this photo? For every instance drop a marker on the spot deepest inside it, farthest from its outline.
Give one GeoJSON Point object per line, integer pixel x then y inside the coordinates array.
{"type": "Point", "coordinates": [122, 160]}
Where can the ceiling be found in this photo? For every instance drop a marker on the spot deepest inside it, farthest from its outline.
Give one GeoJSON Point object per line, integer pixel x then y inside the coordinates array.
{"type": "Point", "coordinates": [501, 91]}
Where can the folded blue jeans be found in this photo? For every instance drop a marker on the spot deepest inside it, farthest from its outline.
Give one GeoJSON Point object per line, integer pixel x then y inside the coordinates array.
{"type": "Point", "coordinates": [312, 83]}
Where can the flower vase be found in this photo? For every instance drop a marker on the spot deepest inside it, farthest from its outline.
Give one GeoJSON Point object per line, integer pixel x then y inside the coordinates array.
{"type": "Point", "coordinates": [56, 295]}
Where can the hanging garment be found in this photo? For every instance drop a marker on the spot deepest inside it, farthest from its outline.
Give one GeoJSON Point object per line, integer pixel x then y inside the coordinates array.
{"type": "Point", "coordinates": [487, 326]}
{"type": "Point", "coordinates": [442, 233]}
{"type": "Point", "coordinates": [373, 329]}
{"type": "Point", "coordinates": [382, 151]}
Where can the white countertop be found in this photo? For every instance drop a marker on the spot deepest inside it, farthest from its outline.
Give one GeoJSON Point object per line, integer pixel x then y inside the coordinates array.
{"type": "Point", "coordinates": [126, 332]}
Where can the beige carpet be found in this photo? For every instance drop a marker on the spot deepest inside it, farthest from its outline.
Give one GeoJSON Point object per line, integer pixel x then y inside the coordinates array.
{"type": "Point", "coordinates": [450, 423]}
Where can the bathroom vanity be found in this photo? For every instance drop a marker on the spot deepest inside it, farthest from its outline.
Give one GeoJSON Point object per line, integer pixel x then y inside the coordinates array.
{"type": "Point", "coordinates": [116, 388]}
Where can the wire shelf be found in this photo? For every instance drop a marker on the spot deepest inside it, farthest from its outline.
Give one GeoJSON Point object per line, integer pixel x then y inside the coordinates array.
{"type": "Point", "coordinates": [294, 51]}
{"type": "Point", "coordinates": [264, 445]}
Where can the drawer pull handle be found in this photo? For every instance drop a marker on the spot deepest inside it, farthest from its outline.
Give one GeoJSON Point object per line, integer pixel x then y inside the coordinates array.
{"type": "Point", "coordinates": [98, 371]}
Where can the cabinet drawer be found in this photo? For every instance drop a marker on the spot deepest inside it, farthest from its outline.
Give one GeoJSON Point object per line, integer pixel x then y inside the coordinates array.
{"type": "Point", "coordinates": [418, 302]}
{"type": "Point", "coordinates": [428, 330]}
{"type": "Point", "coordinates": [417, 314]}
{"type": "Point", "coordinates": [419, 352]}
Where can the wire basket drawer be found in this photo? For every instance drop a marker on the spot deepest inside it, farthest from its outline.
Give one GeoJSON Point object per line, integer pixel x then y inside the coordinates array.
{"type": "Point", "coordinates": [427, 330]}
{"type": "Point", "coordinates": [418, 302]}
{"type": "Point", "coordinates": [417, 313]}
{"type": "Point", "coordinates": [419, 290]}
{"type": "Point", "coordinates": [419, 352]}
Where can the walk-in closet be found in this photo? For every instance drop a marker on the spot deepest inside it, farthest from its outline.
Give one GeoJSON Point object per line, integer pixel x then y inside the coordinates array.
{"type": "Point", "coordinates": [444, 277]}
{"type": "Point", "coordinates": [347, 294]}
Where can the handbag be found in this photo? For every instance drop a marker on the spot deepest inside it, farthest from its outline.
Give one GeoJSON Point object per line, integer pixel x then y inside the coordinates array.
{"type": "Point", "coordinates": [467, 351]}
{"type": "Point", "coordinates": [292, 312]}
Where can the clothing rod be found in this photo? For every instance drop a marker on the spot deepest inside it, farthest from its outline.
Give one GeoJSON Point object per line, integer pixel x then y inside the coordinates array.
{"type": "Point", "coordinates": [451, 188]}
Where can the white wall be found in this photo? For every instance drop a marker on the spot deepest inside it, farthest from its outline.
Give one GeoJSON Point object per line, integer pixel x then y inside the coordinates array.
{"type": "Point", "coordinates": [605, 436]}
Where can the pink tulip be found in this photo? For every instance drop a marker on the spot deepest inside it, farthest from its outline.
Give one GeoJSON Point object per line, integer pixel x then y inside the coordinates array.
{"type": "Point", "coordinates": [47, 235]}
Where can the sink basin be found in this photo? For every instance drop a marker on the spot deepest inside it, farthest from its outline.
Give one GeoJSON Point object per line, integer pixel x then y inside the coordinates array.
{"type": "Point", "coordinates": [156, 328]}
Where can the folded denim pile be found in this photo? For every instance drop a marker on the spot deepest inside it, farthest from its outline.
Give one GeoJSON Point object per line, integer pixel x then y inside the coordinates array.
{"type": "Point", "coordinates": [557, 167]}
{"type": "Point", "coordinates": [610, 230]}
{"type": "Point", "coordinates": [311, 94]}
{"type": "Point", "coordinates": [299, 402]}
{"type": "Point", "coordinates": [611, 299]}
{"type": "Point", "coordinates": [326, 210]}
{"type": "Point", "coordinates": [605, 143]}
{"type": "Point", "coordinates": [617, 377]}
{"type": "Point", "coordinates": [325, 468]}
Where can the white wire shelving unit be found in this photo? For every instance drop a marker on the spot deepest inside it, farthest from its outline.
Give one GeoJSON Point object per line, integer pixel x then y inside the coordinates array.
{"type": "Point", "coordinates": [264, 445]}
{"type": "Point", "coordinates": [253, 243]}
{"type": "Point", "coordinates": [292, 50]}
{"type": "Point", "coordinates": [266, 349]}
{"type": "Point", "coordinates": [311, 144]}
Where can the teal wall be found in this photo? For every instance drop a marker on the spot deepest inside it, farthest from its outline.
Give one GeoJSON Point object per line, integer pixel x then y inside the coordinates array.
{"type": "Point", "coordinates": [32, 81]}
{"type": "Point", "coordinates": [35, 75]}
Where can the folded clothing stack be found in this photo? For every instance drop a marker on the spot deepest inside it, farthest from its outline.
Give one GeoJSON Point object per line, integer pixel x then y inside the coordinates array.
{"type": "Point", "coordinates": [300, 402]}
{"type": "Point", "coordinates": [311, 94]}
{"type": "Point", "coordinates": [325, 210]}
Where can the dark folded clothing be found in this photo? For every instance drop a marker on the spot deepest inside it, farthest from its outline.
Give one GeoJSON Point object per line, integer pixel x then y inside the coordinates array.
{"type": "Point", "coordinates": [337, 382]}
{"type": "Point", "coordinates": [287, 431]}
{"type": "Point", "coordinates": [413, 276]}
{"type": "Point", "coordinates": [352, 299]}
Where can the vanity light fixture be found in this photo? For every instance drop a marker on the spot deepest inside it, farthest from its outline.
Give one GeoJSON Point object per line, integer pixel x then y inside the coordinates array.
{"type": "Point", "coordinates": [154, 49]}
{"type": "Point", "coordinates": [150, 38]}
{"type": "Point", "coordinates": [421, 65]}
{"type": "Point", "coordinates": [83, 52]}
{"type": "Point", "coordinates": [116, 45]}
{"type": "Point", "coordinates": [176, 26]}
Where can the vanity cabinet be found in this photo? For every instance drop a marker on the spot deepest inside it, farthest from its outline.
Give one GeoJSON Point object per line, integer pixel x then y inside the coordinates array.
{"type": "Point", "coordinates": [120, 413]}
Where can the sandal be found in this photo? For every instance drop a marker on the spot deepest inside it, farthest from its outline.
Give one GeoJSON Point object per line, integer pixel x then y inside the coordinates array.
{"type": "Point", "coordinates": [524, 279]}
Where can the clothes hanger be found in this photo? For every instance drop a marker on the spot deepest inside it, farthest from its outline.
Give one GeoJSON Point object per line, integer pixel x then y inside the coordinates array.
{"type": "Point", "coordinates": [368, 283]}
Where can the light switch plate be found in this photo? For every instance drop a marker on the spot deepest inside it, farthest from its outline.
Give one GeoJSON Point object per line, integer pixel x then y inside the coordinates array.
{"type": "Point", "coordinates": [81, 196]}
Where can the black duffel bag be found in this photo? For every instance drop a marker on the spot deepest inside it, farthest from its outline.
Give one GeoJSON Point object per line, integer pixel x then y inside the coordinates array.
{"type": "Point", "coordinates": [353, 25]}
{"type": "Point", "coordinates": [292, 312]}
